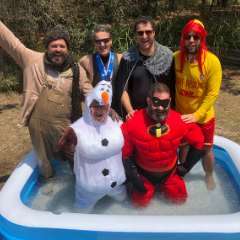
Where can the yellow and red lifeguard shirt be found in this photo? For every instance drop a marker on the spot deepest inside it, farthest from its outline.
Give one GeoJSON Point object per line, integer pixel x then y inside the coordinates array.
{"type": "Point", "coordinates": [196, 92]}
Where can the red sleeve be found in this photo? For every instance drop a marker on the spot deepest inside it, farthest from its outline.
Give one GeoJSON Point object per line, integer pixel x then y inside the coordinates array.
{"type": "Point", "coordinates": [66, 146]}
{"type": "Point", "coordinates": [128, 147]}
{"type": "Point", "coordinates": [194, 135]}
{"type": "Point", "coordinates": [69, 136]}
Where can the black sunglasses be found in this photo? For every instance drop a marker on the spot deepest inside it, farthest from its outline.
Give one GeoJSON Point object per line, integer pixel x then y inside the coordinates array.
{"type": "Point", "coordinates": [105, 40]}
{"type": "Point", "coordinates": [148, 33]}
{"type": "Point", "coordinates": [158, 102]}
{"type": "Point", "coordinates": [195, 37]}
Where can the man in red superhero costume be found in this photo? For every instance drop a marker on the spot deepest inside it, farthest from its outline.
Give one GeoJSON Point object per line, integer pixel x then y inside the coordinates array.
{"type": "Point", "coordinates": [152, 136]}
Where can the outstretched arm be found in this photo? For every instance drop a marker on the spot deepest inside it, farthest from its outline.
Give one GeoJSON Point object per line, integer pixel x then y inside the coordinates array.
{"type": "Point", "coordinates": [12, 45]}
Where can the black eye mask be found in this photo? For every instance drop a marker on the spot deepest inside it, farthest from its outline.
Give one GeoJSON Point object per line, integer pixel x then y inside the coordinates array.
{"type": "Point", "coordinates": [158, 102]}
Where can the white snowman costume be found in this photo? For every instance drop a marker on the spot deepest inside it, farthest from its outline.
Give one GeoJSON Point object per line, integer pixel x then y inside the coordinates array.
{"type": "Point", "coordinates": [98, 157]}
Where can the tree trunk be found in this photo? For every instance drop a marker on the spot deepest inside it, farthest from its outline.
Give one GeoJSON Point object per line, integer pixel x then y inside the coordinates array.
{"type": "Point", "coordinates": [203, 9]}
{"type": "Point", "coordinates": [224, 3]}
{"type": "Point", "coordinates": [171, 4]}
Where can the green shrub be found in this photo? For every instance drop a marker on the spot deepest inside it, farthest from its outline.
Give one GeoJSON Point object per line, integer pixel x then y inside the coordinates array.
{"type": "Point", "coordinates": [224, 32]}
{"type": "Point", "coordinates": [30, 20]}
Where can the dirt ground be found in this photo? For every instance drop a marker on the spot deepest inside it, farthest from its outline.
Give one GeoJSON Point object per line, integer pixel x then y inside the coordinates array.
{"type": "Point", "coordinates": [16, 143]}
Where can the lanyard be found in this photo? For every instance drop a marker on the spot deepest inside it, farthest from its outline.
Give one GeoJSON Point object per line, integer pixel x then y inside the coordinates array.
{"type": "Point", "coordinates": [106, 74]}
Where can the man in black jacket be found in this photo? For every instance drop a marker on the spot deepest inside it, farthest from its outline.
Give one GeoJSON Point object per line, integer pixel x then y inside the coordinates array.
{"type": "Point", "coordinates": [140, 67]}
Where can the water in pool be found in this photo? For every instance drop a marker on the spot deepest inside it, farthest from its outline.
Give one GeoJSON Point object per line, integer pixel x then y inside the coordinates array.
{"type": "Point", "coordinates": [224, 199]}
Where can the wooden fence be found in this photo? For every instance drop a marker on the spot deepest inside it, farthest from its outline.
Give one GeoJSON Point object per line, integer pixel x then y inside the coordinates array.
{"type": "Point", "coordinates": [232, 57]}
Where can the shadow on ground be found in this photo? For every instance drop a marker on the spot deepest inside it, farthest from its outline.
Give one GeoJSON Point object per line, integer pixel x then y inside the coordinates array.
{"type": "Point", "coordinates": [8, 106]}
{"type": "Point", "coordinates": [230, 86]}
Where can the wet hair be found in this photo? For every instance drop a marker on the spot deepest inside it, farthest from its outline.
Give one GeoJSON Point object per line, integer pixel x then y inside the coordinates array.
{"type": "Point", "coordinates": [159, 88]}
{"type": "Point", "coordinates": [144, 20]}
{"type": "Point", "coordinates": [199, 29]}
{"type": "Point", "coordinates": [100, 28]}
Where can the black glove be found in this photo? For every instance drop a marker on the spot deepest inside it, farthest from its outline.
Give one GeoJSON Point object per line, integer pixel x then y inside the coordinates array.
{"type": "Point", "coordinates": [181, 170]}
{"type": "Point", "coordinates": [193, 156]}
{"type": "Point", "coordinates": [131, 171]}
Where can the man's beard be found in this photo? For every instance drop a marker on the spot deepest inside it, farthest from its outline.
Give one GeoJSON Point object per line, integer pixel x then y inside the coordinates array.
{"type": "Point", "coordinates": [154, 113]}
{"type": "Point", "coordinates": [196, 51]}
{"type": "Point", "coordinates": [57, 63]}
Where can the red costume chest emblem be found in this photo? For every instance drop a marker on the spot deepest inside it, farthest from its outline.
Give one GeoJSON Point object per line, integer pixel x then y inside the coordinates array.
{"type": "Point", "coordinates": [158, 130]}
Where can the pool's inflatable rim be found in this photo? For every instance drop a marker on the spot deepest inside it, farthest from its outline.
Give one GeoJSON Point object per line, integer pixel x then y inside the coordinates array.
{"type": "Point", "coordinates": [15, 214]}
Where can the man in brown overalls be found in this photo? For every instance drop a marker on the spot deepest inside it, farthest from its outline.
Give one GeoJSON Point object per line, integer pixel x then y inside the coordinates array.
{"type": "Point", "coordinates": [54, 85]}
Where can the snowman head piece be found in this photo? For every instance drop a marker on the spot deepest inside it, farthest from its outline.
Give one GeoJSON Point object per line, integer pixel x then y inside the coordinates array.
{"type": "Point", "coordinates": [98, 102]}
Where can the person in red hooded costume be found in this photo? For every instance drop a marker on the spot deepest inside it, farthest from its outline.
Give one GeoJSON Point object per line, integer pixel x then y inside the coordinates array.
{"type": "Point", "coordinates": [151, 139]}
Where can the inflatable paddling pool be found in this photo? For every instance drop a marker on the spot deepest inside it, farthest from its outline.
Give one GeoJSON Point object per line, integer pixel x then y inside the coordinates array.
{"type": "Point", "coordinates": [17, 221]}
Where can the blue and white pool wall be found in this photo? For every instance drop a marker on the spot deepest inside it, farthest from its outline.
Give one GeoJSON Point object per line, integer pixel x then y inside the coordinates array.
{"type": "Point", "coordinates": [18, 221]}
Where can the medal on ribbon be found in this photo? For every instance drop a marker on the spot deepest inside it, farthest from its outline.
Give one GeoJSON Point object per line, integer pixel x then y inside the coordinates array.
{"type": "Point", "coordinates": [106, 73]}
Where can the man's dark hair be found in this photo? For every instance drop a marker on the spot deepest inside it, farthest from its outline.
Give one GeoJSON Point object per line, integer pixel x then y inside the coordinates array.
{"type": "Point", "coordinates": [100, 28]}
{"type": "Point", "coordinates": [58, 32]}
{"type": "Point", "coordinates": [159, 88]}
{"type": "Point", "coordinates": [144, 20]}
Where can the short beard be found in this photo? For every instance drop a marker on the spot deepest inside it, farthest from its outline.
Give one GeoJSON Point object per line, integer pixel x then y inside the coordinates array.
{"type": "Point", "coordinates": [195, 52]}
{"type": "Point", "coordinates": [51, 57]}
{"type": "Point", "coordinates": [152, 113]}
